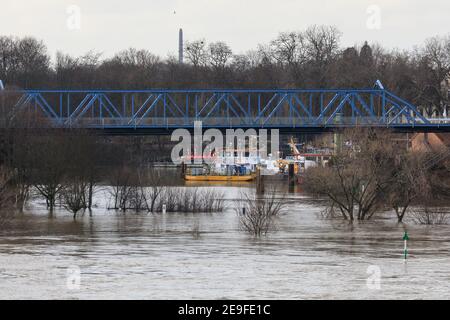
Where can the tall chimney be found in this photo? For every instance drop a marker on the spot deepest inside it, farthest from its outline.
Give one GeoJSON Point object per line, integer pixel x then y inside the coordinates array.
{"type": "Point", "coordinates": [180, 47]}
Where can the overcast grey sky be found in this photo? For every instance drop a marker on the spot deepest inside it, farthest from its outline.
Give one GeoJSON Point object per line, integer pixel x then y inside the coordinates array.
{"type": "Point", "coordinates": [109, 26]}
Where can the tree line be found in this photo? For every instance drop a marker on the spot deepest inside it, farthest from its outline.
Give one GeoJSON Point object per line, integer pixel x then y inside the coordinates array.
{"type": "Point", "coordinates": [311, 58]}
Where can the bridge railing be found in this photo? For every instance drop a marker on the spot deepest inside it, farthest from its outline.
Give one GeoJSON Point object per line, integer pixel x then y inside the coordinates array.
{"type": "Point", "coordinates": [228, 122]}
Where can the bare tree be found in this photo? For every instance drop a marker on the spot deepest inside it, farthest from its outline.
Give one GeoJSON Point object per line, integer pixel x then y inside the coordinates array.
{"type": "Point", "coordinates": [50, 165]}
{"type": "Point", "coordinates": [322, 47]}
{"type": "Point", "coordinates": [139, 58]}
{"type": "Point", "coordinates": [8, 58]}
{"type": "Point", "coordinates": [120, 180]}
{"type": "Point", "coordinates": [436, 55]}
{"type": "Point", "coordinates": [408, 184]}
{"type": "Point", "coordinates": [83, 161]}
{"type": "Point", "coordinates": [152, 193]}
{"type": "Point", "coordinates": [196, 52]}
{"type": "Point", "coordinates": [74, 196]}
{"type": "Point", "coordinates": [358, 176]}
{"type": "Point", "coordinates": [6, 194]}
{"type": "Point", "coordinates": [136, 200]}
{"type": "Point", "coordinates": [22, 163]}
{"type": "Point", "coordinates": [77, 72]}
{"type": "Point", "coordinates": [219, 55]}
{"type": "Point", "coordinates": [322, 43]}
{"type": "Point", "coordinates": [289, 49]}
{"type": "Point", "coordinates": [190, 200]}
{"type": "Point", "coordinates": [256, 214]}
{"type": "Point", "coordinates": [431, 215]}
{"type": "Point", "coordinates": [24, 61]}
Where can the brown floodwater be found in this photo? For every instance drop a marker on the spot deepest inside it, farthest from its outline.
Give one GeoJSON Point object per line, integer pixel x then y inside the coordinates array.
{"type": "Point", "coordinates": [112, 255]}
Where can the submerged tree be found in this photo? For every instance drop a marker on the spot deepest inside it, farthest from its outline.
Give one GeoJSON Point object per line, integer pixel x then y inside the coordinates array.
{"type": "Point", "coordinates": [120, 180]}
{"type": "Point", "coordinates": [50, 165]}
{"type": "Point", "coordinates": [257, 213]}
{"type": "Point", "coordinates": [408, 184]}
{"type": "Point", "coordinates": [359, 175]}
{"type": "Point", "coordinates": [6, 192]}
{"type": "Point", "coordinates": [373, 172]}
{"type": "Point", "coordinates": [74, 196]}
{"type": "Point", "coordinates": [426, 215]}
{"type": "Point", "coordinates": [6, 195]}
{"type": "Point", "coordinates": [150, 186]}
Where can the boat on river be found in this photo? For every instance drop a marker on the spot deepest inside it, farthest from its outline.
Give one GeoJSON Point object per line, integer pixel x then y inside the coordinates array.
{"type": "Point", "coordinates": [215, 177]}
{"type": "Point", "coordinates": [228, 173]}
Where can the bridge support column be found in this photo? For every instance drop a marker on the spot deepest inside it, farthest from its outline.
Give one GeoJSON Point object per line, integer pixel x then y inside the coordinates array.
{"type": "Point", "coordinates": [291, 176]}
{"type": "Point", "coordinates": [259, 181]}
{"type": "Point", "coordinates": [183, 169]}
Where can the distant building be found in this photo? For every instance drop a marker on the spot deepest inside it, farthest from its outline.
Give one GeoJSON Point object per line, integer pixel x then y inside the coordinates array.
{"type": "Point", "coordinates": [366, 54]}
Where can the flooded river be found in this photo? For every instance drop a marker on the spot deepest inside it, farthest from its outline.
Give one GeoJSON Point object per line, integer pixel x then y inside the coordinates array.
{"type": "Point", "coordinates": [205, 256]}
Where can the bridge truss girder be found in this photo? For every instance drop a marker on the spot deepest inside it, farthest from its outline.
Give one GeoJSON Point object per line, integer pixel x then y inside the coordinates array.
{"type": "Point", "coordinates": [128, 109]}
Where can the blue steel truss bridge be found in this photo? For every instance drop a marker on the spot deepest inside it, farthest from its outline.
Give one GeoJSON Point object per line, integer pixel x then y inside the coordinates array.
{"type": "Point", "coordinates": [162, 110]}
